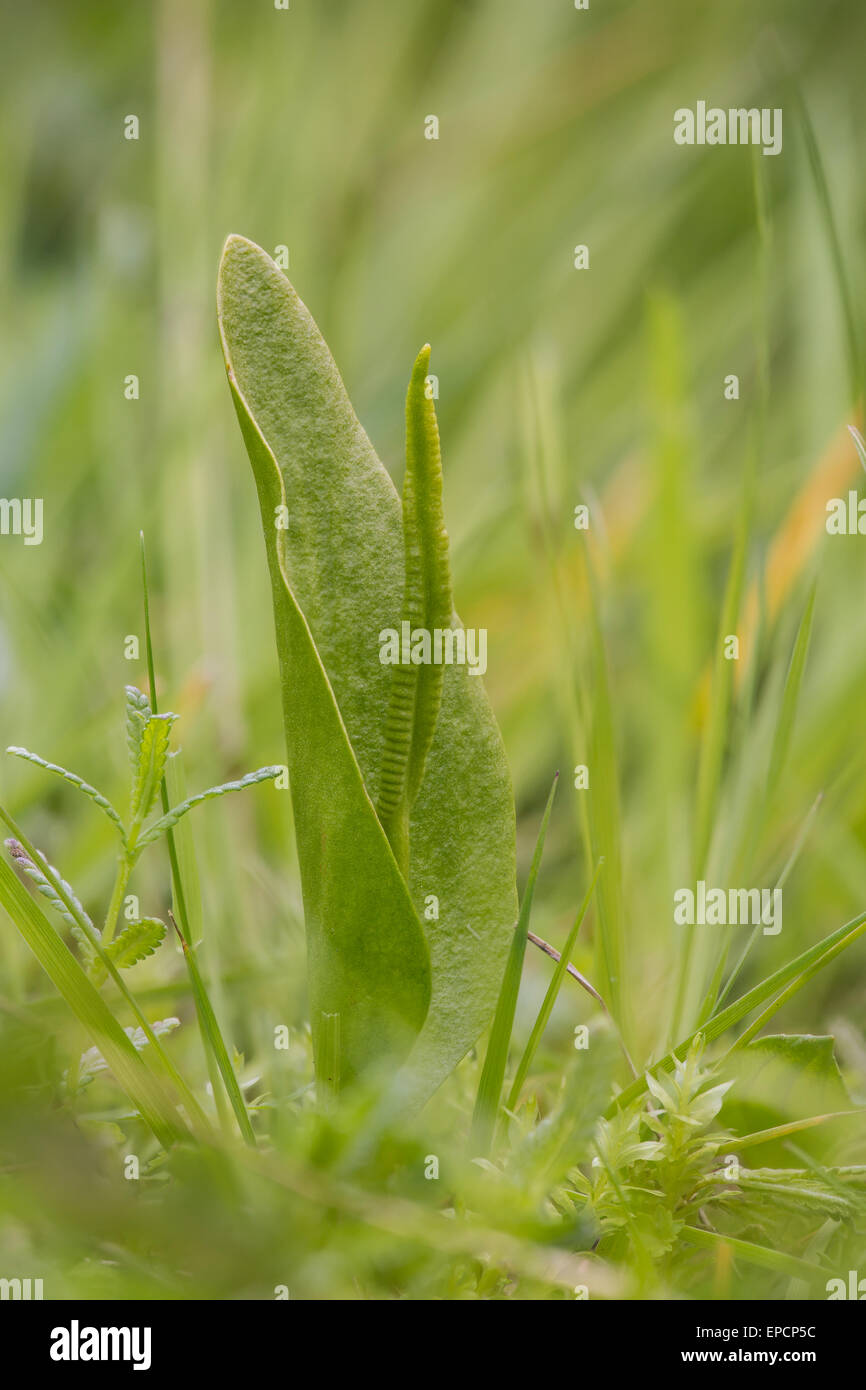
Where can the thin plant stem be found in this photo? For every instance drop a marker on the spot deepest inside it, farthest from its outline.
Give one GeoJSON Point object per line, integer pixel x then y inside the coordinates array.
{"type": "Point", "coordinates": [216, 1053]}
{"type": "Point", "coordinates": [120, 884]}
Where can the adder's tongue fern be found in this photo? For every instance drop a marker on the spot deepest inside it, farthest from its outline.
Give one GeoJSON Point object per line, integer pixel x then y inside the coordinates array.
{"type": "Point", "coordinates": [406, 942]}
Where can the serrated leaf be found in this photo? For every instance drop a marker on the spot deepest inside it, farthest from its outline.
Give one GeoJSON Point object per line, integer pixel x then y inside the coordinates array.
{"type": "Point", "coordinates": [138, 712]}
{"type": "Point", "coordinates": [795, 1189]}
{"type": "Point", "coordinates": [148, 774]}
{"type": "Point", "coordinates": [175, 813]}
{"type": "Point", "coordinates": [93, 1061]}
{"type": "Point", "coordinates": [95, 796]}
{"type": "Point", "coordinates": [36, 873]}
{"type": "Point", "coordinates": [135, 942]}
{"type": "Point", "coordinates": [338, 578]}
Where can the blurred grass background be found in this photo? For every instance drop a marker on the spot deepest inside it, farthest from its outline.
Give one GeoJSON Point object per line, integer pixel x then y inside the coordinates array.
{"type": "Point", "coordinates": [604, 386]}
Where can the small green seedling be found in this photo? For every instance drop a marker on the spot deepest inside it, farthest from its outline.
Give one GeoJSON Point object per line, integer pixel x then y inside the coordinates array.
{"type": "Point", "coordinates": [148, 736]}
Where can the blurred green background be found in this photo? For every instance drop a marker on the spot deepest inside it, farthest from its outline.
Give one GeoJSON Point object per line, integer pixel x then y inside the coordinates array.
{"type": "Point", "coordinates": [306, 129]}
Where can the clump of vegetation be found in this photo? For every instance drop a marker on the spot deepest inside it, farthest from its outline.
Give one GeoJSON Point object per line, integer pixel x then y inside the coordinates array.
{"type": "Point", "coordinates": [100, 955]}
{"type": "Point", "coordinates": [444, 1178]}
{"type": "Point", "coordinates": [401, 790]}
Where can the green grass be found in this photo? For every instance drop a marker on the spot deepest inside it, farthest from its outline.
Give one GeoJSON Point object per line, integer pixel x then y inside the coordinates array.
{"type": "Point", "coordinates": [556, 388]}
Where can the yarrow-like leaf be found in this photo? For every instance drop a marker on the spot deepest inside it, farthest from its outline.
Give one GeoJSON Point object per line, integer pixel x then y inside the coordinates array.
{"type": "Point", "coordinates": [138, 713]}
{"type": "Point", "coordinates": [36, 873]}
{"type": "Point", "coordinates": [92, 1061]}
{"type": "Point", "coordinates": [152, 754]}
{"type": "Point", "coordinates": [95, 796]}
{"type": "Point", "coordinates": [136, 941]}
{"type": "Point", "coordinates": [172, 816]}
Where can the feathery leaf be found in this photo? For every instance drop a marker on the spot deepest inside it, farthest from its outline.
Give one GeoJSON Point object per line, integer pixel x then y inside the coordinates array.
{"type": "Point", "coordinates": [95, 796]}
{"type": "Point", "coordinates": [171, 818]}
{"type": "Point", "coordinates": [152, 754]}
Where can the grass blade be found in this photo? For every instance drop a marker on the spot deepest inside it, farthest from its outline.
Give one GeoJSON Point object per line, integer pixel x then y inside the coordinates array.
{"type": "Point", "coordinates": [214, 1044]}
{"type": "Point", "coordinates": [138, 1081]}
{"type": "Point", "coordinates": [766, 1136]}
{"type": "Point", "coordinates": [712, 753]}
{"type": "Point", "coordinates": [790, 697]}
{"type": "Point", "coordinates": [72, 908]}
{"type": "Point", "coordinates": [843, 285]}
{"type": "Point", "coordinates": [778, 757]}
{"type": "Point", "coordinates": [799, 970]}
{"type": "Point", "coordinates": [214, 1041]}
{"type": "Point", "coordinates": [793, 988]}
{"type": "Point", "coordinates": [495, 1061]}
{"type": "Point", "coordinates": [551, 996]}
{"type": "Point", "coordinates": [605, 819]}
{"type": "Point", "coordinates": [712, 1005]}
{"type": "Point", "coordinates": [189, 911]}
{"type": "Point", "coordinates": [859, 444]}
{"type": "Point", "coordinates": [755, 1254]}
